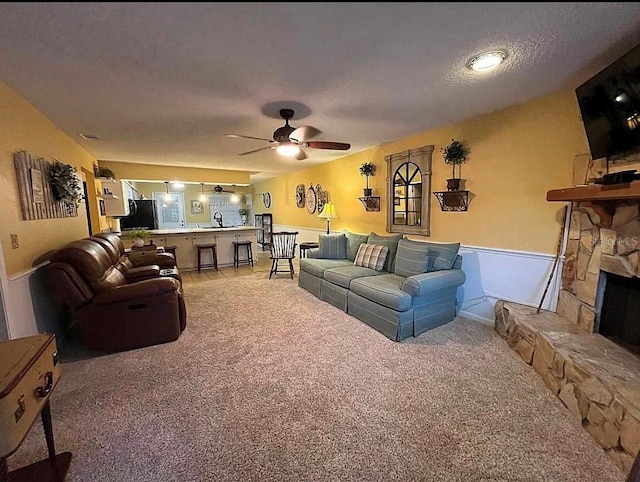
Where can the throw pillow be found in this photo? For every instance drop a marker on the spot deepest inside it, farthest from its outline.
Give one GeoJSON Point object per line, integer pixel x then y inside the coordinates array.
{"type": "Point", "coordinates": [390, 242]}
{"type": "Point", "coordinates": [442, 255]}
{"type": "Point", "coordinates": [354, 240]}
{"type": "Point", "coordinates": [332, 246]}
{"type": "Point", "coordinates": [412, 258]}
{"type": "Point", "coordinates": [371, 256]}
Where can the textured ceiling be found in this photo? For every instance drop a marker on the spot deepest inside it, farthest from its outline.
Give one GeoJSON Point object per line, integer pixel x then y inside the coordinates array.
{"type": "Point", "coordinates": [163, 83]}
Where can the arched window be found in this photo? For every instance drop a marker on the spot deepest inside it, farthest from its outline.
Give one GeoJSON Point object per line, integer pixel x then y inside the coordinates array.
{"type": "Point", "coordinates": [408, 189]}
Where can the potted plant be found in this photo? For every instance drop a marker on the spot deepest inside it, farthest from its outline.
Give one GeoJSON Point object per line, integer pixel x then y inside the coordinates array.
{"type": "Point", "coordinates": [368, 169]}
{"type": "Point", "coordinates": [455, 154]}
{"type": "Point", "coordinates": [140, 237]}
{"type": "Point", "coordinates": [244, 213]}
{"type": "Point", "coordinates": [106, 172]}
{"type": "Point", "coordinates": [65, 184]}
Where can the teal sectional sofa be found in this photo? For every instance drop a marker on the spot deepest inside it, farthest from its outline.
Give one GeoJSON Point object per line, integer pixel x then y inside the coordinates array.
{"type": "Point", "coordinates": [414, 291]}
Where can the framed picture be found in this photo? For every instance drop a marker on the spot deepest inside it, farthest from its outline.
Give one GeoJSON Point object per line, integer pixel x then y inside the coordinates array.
{"type": "Point", "coordinates": [103, 208]}
{"type": "Point", "coordinates": [36, 185]}
{"type": "Point", "coordinates": [196, 207]}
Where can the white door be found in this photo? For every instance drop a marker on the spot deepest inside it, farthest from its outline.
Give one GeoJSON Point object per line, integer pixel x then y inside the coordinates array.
{"type": "Point", "coordinates": [170, 213]}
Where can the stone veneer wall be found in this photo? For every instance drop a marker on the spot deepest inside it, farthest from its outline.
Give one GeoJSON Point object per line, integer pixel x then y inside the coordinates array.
{"type": "Point", "coordinates": [602, 236]}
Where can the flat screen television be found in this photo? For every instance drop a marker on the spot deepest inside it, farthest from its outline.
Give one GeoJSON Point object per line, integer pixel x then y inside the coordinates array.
{"type": "Point", "coordinates": [610, 107]}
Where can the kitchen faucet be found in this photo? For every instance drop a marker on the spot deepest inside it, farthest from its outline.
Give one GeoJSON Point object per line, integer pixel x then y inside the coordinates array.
{"type": "Point", "coordinates": [217, 217]}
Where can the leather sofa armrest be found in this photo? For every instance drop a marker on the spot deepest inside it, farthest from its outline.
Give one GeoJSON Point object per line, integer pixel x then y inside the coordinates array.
{"type": "Point", "coordinates": [420, 284]}
{"type": "Point", "coordinates": [164, 260]}
{"type": "Point", "coordinates": [142, 272]}
{"type": "Point", "coordinates": [313, 253]}
{"type": "Point", "coordinates": [136, 291]}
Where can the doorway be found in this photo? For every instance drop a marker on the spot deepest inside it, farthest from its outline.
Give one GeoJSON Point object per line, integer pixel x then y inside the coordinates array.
{"type": "Point", "coordinates": [170, 212]}
{"type": "Point", "coordinates": [86, 206]}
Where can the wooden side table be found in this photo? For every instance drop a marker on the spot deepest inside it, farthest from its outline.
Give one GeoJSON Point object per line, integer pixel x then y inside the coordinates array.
{"type": "Point", "coordinates": [305, 246]}
{"type": "Point", "coordinates": [29, 372]}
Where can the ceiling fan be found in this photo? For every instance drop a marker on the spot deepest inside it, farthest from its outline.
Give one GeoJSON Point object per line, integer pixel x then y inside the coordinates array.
{"type": "Point", "coordinates": [289, 141]}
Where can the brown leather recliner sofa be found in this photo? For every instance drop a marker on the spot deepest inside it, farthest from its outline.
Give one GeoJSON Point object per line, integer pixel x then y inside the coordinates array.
{"type": "Point", "coordinates": [117, 307]}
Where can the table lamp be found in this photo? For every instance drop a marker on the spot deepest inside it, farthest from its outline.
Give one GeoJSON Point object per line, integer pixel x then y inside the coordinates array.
{"type": "Point", "coordinates": [328, 212]}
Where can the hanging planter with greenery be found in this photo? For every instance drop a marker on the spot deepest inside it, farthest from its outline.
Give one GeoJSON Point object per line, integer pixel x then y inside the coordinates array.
{"type": "Point", "coordinates": [455, 154]}
{"type": "Point", "coordinates": [368, 169]}
{"type": "Point", "coordinates": [65, 184]}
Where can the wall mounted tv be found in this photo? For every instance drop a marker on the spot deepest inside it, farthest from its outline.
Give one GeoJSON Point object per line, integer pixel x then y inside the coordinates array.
{"type": "Point", "coordinates": [610, 107]}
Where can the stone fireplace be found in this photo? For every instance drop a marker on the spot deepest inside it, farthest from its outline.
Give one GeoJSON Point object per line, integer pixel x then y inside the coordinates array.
{"type": "Point", "coordinates": [588, 352]}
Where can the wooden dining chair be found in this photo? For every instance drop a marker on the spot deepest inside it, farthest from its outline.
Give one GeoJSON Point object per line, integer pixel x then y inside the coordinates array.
{"type": "Point", "coordinates": [283, 248]}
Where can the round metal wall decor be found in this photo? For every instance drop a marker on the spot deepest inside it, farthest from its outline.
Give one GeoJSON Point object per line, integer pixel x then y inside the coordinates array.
{"type": "Point", "coordinates": [266, 200]}
{"type": "Point", "coordinates": [311, 200]}
{"type": "Point", "coordinates": [300, 195]}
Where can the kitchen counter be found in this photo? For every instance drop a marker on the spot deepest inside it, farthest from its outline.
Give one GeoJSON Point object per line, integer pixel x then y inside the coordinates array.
{"type": "Point", "coordinates": [185, 241]}
{"type": "Point", "coordinates": [161, 232]}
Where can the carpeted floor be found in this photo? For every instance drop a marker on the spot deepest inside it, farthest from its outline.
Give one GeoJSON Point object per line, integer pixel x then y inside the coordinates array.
{"type": "Point", "coordinates": [270, 383]}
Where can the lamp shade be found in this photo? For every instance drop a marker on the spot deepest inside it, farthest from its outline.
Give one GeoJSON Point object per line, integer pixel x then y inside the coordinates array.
{"type": "Point", "coordinates": [328, 211]}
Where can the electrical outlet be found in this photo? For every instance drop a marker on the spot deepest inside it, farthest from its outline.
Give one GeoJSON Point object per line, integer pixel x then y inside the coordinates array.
{"type": "Point", "coordinates": [14, 241]}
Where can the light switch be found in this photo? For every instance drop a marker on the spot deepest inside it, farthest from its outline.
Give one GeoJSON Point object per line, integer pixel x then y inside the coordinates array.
{"type": "Point", "coordinates": [14, 241]}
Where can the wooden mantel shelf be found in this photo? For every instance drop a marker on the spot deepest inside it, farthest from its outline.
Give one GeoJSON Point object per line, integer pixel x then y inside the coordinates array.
{"type": "Point", "coordinates": [597, 192]}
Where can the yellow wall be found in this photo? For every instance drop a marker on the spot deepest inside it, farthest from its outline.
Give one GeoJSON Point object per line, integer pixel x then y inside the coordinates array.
{"type": "Point", "coordinates": [23, 127]}
{"type": "Point", "coordinates": [155, 172]}
{"type": "Point", "coordinates": [517, 155]}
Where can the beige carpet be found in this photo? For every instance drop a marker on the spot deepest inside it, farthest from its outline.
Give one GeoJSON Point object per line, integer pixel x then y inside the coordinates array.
{"type": "Point", "coordinates": [270, 383]}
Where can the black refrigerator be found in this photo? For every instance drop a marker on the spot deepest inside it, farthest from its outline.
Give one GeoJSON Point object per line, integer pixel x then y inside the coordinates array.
{"type": "Point", "coordinates": [143, 214]}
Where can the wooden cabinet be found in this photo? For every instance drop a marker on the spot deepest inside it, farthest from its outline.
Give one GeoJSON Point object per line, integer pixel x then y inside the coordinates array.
{"type": "Point", "coordinates": [264, 223]}
{"type": "Point", "coordinates": [185, 258]}
{"type": "Point", "coordinates": [116, 195]}
{"type": "Point", "coordinates": [224, 248]}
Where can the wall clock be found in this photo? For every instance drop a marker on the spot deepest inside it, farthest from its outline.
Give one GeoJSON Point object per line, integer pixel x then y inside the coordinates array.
{"type": "Point", "coordinates": [266, 200]}
{"type": "Point", "coordinates": [311, 200]}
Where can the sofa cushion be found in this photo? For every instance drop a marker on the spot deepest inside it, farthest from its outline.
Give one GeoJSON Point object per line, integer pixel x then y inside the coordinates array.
{"type": "Point", "coordinates": [412, 258]}
{"type": "Point", "coordinates": [354, 240]}
{"type": "Point", "coordinates": [390, 242]}
{"type": "Point", "coordinates": [333, 246]}
{"type": "Point", "coordinates": [384, 290]}
{"type": "Point", "coordinates": [442, 255]}
{"type": "Point", "coordinates": [371, 256]}
{"type": "Point", "coordinates": [317, 266]}
{"type": "Point", "coordinates": [342, 276]}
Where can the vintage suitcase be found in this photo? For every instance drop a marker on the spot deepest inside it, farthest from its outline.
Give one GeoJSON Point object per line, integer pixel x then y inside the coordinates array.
{"type": "Point", "coordinates": [29, 371]}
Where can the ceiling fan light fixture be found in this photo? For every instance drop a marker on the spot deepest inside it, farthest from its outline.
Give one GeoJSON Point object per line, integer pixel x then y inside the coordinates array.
{"type": "Point", "coordinates": [487, 61]}
{"type": "Point", "coordinates": [288, 150]}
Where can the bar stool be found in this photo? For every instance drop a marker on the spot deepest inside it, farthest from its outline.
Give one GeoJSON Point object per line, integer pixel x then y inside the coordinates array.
{"type": "Point", "coordinates": [214, 255]}
{"type": "Point", "coordinates": [236, 253]}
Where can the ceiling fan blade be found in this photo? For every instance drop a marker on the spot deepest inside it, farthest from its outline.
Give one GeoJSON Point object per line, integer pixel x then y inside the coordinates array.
{"type": "Point", "coordinates": [255, 150]}
{"type": "Point", "coordinates": [300, 156]}
{"type": "Point", "coordinates": [303, 133]}
{"type": "Point", "coordinates": [337, 146]}
{"type": "Point", "coordinates": [237, 136]}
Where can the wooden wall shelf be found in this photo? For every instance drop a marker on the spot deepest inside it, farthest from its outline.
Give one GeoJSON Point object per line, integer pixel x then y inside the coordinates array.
{"type": "Point", "coordinates": [596, 192]}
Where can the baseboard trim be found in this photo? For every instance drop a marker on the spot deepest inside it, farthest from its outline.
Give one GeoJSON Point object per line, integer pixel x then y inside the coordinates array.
{"type": "Point", "coordinates": [474, 317]}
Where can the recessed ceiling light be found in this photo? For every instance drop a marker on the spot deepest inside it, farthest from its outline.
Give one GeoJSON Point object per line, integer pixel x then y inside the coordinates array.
{"type": "Point", "coordinates": [89, 137]}
{"type": "Point", "coordinates": [177, 185]}
{"type": "Point", "coordinates": [487, 61]}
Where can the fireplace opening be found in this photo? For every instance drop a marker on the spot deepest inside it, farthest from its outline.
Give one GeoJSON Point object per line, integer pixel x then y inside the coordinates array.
{"type": "Point", "coordinates": [620, 312]}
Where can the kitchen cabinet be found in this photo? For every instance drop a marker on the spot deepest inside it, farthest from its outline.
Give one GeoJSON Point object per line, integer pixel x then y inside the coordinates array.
{"type": "Point", "coordinates": [185, 258]}
{"type": "Point", "coordinates": [116, 195]}
{"type": "Point", "coordinates": [224, 248]}
{"type": "Point", "coordinates": [264, 223]}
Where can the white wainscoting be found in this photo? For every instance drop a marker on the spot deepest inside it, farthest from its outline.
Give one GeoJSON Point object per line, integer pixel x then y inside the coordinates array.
{"type": "Point", "coordinates": [21, 319]}
{"type": "Point", "coordinates": [492, 274]}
